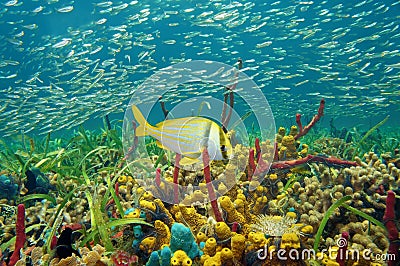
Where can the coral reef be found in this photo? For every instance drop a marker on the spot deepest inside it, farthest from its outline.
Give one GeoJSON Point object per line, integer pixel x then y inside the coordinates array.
{"type": "Point", "coordinates": [232, 213]}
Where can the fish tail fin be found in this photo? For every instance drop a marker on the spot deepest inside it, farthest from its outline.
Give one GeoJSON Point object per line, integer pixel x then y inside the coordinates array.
{"type": "Point", "coordinates": [143, 125]}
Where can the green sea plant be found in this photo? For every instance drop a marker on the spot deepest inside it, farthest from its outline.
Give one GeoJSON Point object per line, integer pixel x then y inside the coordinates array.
{"type": "Point", "coordinates": [100, 230]}
{"type": "Point", "coordinates": [57, 219]}
{"type": "Point", "coordinates": [38, 196]}
{"type": "Point", "coordinates": [358, 149]}
{"type": "Point", "coordinates": [341, 203]}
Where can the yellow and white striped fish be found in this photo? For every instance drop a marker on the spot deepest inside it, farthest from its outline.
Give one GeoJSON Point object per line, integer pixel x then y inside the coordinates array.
{"type": "Point", "coordinates": [187, 136]}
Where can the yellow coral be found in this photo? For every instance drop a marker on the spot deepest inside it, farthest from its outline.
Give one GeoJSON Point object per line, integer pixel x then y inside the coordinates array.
{"type": "Point", "coordinates": [70, 261]}
{"type": "Point", "coordinates": [133, 214]}
{"type": "Point", "coordinates": [273, 177]}
{"type": "Point", "coordinates": [260, 204]}
{"type": "Point", "coordinates": [291, 215]}
{"type": "Point", "coordinates": [212, 261]}
{"type": "Point", "coordinates": [99, 249]}
{"type": "Point", "coordinates": [122, 189]}
{"type": "Point", "coordinates": [290, 240]}
{"type": "Point", "coordinates": [140, 190]}
{"type": "Point", "coordinates": [163, 234]}
{"type": "Point", "coordinates": [189, 215]}
{"type": "Point", "coordinates": [91, 258]}
{"type": "Point", "coordinates": [198, 196]}
{"type": "Point", "coordinates": [180, 258]}
{"type": "Point", "coordinates": [226, 254]}
{"type": "Point", "coordinates": [201, 237]}
{"type": "Point", "coordinates": [210, 246]}
{"type": "Point", "coordinates": [162, 208]}
{"type": "Point", "coordinates": [293, 131]}
{"type": "Point", "coordinates": [256, 241]}
{"type": "Point", "coordinates": [222, 230]}
{"type": "Point", "coordinates": [237, 246]}
{"type": "Point", "coordinates": [147, 195]}
{"type": "Point", "coordinates": [288, 141]}
{"type": "Point", "coordinates": [148, 205]}
{"type": "Point", "coordinates": [122, 179]}
{"type": "Point", "coordinates": [230, 174]}
{"type": "Point", "coordinates": [304, 150]}
{"type": "Point", "coordinates": [308, 229]}
{"type": "Point", "coordinates": [232, 214]}
{"type": "Point", "coordinates": [282, 131]}
{"type": "Point", "coordinates": [288, 148]}
{"type": "Point", "coordinates": [239, 205]}
{"type": "Point", "coordinates": [148, 244]}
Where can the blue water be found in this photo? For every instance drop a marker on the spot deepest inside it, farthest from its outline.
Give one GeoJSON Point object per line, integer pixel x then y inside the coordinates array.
{"type": "Point", "coordinates": [289, 53]}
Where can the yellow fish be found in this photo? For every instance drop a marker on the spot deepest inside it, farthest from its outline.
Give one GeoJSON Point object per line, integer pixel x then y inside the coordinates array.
{"type": "Point", "coordinates": [187, 136]}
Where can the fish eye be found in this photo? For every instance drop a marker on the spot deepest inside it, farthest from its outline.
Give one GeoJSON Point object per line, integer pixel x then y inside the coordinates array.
{"type": "Point", "coordinates": [223, 148]}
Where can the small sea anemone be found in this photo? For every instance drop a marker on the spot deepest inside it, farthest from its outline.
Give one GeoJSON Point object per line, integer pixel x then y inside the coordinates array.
{"type": "Point", "coordinates": [272, 225]}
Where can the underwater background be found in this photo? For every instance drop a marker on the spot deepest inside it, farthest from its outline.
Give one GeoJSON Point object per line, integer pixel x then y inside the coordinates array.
{"type": "Point", "coordinates": [79, 60]}
{"type": "Point", "coordinates": [91, 195]}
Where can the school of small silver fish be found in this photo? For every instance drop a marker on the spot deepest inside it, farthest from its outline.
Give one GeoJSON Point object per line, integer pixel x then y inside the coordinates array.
{"type": "Point", "coordinates": [66, 62]}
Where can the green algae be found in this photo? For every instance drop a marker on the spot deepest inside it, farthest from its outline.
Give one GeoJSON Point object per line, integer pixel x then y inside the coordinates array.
{"type": "Point", "coordinates": [341, 203]}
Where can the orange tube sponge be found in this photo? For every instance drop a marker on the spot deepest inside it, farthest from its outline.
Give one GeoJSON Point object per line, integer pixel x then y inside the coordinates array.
{"type": "Point", "coordinates": [161, 206]}
{"type": "Point", "coordinates": [190, 216]}
{"type": "Point", "coordinates": [238, 246]}
{"type": "Point", "coordinates": [210, 247]}
{"type": "Point", "coordinates": [163, 234]}
{"type": "Point", "coordinates": [256, 241]}
{"type": "Point", "coordinates": [223, 231]}
{"type": "Point", "coordinates": [180, 258]}
{"type": "Point", "coordinates": [232, 214]}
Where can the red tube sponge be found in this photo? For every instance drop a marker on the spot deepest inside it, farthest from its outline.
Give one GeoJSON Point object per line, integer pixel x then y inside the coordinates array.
{"type": "Point", "coordinates": [315, 119]}
{"type": "Point", "coordinates": [390, 223]}
{"type": "Point", "coordinates": [176, 175]}
{"type": "Point", "coordinates": [252, 165]}
{"type": "Point", "coordinates": [21, 236]}
{"type": "Point", "coordinates": [210, 188]}
{"type": "Point", "coordinates": [343, 244]}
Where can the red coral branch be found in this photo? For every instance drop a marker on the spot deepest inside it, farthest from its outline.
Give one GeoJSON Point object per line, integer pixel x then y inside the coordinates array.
{"type": "Point", "coordinates": [276, 152]}
{"type": "Point", "coordinates": [298, 121]}
{"type": "Point", "coordinates": [262, 167]}
{"type": "Point", "coordinates": [158, 177]}
{"type": "Point", "coordinates": [235, 226]}
{"type": "Point", "coordinates": [341, 255]}
{"type": "Point", "coordinates": [312, 158]}
{"type": "Point", "coordinates": [21, 236]}
{"type": "Point", "coordinates": [258, 149]}
{"type": "Point", "coordinates": [252, 165]}
{"type": "Point", "coordinates": [390, 222]}
{"type": "Point", "coordinates": [176, 174]}
{"type": "Point", "coordinates": [210, 188]}
{"type": "Point", "coordinates": [316, 118]}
